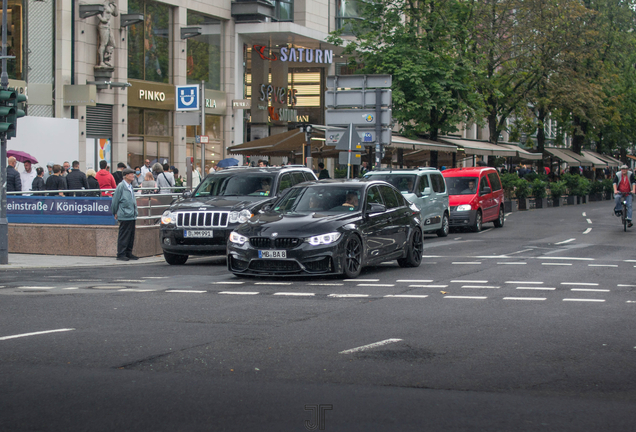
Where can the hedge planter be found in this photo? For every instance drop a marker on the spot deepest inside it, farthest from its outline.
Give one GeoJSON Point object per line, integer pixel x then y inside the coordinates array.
{"type": "Point", "coordinates": [570, 200]}
{"type": "Point", "coordinates": [582, 199]}
{"type": "Point", "coordinates": [524, 203]}
{"type": "Point", "coordinates": [597, 197]}
{"type": "Point", "coordinates": [541, 203]}
{"type": "Point", "coordinates": [557, 202]}
{"type": "Point", "coordinates": [511, 206]}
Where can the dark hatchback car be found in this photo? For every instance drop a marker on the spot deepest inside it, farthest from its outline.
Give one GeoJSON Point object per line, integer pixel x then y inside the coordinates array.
{"type": "Point", "coordinates": [328, 227]}
{"type": "Point", "coordinates": [200, 223]}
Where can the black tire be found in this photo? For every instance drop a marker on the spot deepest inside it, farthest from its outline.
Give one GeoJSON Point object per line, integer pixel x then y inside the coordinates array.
{"type": "Point", "coordinates": [478, 222]}
{"type": "Point", "coordinates": [624, 217]}
{"type": "Point", "coordinates": [352, 260]}
{"type": "Point", "coordinates": [444, 230]}
{"type": "Point", "coordinates": [415, 251]}
{"type": "Point", "coordinates": [499, 222]}
{"type": "Point", "coordinates": [174, 259]}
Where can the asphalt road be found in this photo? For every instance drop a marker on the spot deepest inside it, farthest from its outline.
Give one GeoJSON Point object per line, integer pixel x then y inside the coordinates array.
{"type": "Point", "coordinates": [528, 327]}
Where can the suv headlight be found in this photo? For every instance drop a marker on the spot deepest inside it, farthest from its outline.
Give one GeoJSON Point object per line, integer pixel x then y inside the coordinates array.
{"type": "Point", "coordinates": [464, 207]}
{"type": "Point", "coordinates": [237, 238]}
{"type": "Point", "coordinates": [168, 218]}
{"type": "Point", "coordinates": [240, 217]}
{"type": "Point", "coordinates": [324, 239]}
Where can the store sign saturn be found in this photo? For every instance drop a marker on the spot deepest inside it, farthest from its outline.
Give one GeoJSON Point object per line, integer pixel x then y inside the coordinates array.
{"type": "Point", "coordinates": [299, 55]}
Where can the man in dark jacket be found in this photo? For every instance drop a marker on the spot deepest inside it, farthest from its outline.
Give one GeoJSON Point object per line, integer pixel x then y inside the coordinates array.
{"type": "Point", "coordinates": [118, 175]}
{"type": "Point", "coordinates": [76, 179]}
{"type": "Point", "coordinates": [56, 182]}
{"type": "Point", "coordinates": [324, 174]}
{"type": "Point", "coordinates": [14, 184]}
{"type": "Point", "coordinates": [38, 182]}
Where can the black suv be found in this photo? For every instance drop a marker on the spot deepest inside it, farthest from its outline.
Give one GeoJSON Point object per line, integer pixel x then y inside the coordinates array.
{"type": "Point", "coordinates": [200, 222]}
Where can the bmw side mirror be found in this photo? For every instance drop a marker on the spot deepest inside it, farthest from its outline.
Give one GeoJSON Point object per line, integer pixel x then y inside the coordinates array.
{"type": "Point", "coordinates": [376, 208]}
{"type": "Point", "coordinates": [187, 194]}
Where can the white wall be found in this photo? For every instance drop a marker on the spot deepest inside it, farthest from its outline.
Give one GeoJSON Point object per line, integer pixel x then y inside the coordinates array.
{"type": "Point", "coordinates": [47, 139]}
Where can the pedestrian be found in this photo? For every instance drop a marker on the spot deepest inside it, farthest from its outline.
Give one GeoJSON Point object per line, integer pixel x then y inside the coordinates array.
{"type": "Point", "coordinates": [124, 208]}
{"type": "Point", "coordinates": [145, 169]}
{"type": "Point", "coordinates": [27, 176]}
{"type": "Point", "coordinates": [157, 169]}
{"type": "Point", "coordinates": [105, 178]}
{"type": "Point", "coordinates": [93, 184]}
{"type": "Point", "coordinates": [76, 179]}
{"type": "Point", "coordinates": [38, 183]}
{"type": "Point", "coordinates": [66, 168]}
{"type": "Point", "coordinates": [364, 168]}
{"type": "Point", "coordinates": [56, 181]}
{"type": "Point", "coordinates": [149, 182]}
{"type": "Point", "coordinates": [323, 174]}
{"type": "Point", "coordinates": [118, 175]}
{"type": "Point", "coordinates": [14, 183]}
{"type": "Point", "coordinates": [196, 178]}
{"type": "Point", "coordinates": [262, 163]}
{"type": "Point", "coordinates": [49, 170]}
{"type": "Point", "coordinates": [165, 181]}
{"type": "Point", "coordinates": [138, 177]}
{"type": "Point", "coordinates": [178, 180]}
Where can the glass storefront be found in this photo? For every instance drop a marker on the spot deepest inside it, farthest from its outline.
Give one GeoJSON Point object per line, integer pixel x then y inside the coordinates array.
{"type": "Point", "coordinates": [204, 51]}
{"type": "Point", "coordinates": [149, 42]}
{"type": "Point", "coordinates": [149, 136]}
{"type": "Point", "coordinates": [213, 150]}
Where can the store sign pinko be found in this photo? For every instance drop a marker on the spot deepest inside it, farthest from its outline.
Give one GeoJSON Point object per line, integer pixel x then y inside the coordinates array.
{"type": "Point", "coordinates": [298, 55]}
{"type": "Point", "coordinates": [144, 94]}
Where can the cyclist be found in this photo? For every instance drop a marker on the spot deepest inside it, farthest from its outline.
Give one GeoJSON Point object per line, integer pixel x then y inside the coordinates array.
{"type": "Point", "coordinates": [624, 185]}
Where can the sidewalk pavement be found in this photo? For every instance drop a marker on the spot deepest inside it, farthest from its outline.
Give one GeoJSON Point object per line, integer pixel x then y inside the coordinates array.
{"type": "Point", "coordinates": [26, 261]}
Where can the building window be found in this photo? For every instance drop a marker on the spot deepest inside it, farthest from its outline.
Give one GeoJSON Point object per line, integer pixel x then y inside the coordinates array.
{"type": "Point", "coordinates": [149, 42]}
{"type": "Point", "coordinates": [347, 11]}
{"type": "Point", "coordinates": [149, 136]}
{"type": "Point", "coordinates": [204, 51]}
{"type": "Point", "coordinates": [14, 39]}
{"type": "Point", "coordinates": [284, 10]}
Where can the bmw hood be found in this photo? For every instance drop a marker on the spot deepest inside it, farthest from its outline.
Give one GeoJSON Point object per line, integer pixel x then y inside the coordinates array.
{"type": "Point", "coordinates": [295, 224]}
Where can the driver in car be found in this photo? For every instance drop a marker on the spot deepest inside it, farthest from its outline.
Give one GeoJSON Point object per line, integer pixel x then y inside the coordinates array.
{"type": "Point", "coordinates": [471, 189]}
{"type": "Point", "coordinates": [351, 201]}
{"type": "Point", "coordinates": [265, 187]}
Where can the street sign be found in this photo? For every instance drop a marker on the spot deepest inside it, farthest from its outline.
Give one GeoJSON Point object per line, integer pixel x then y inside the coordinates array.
{"type": "Point", "coordinates": [357, 117]}
{"type": "Point", "coordinates": [187, 98]}
{"type": "Point", "coordinates": [368, 136]}
{"type": "Point", "coordinates": [343, 158]}
{"type": "Point", "coordinates": [188, 118]}
{"type": "Point", "coordinates": [204, 139]}
{"type": "Point", "coordinates": [356, 98]}
{"type": "Point", "coordinates": [359, 81]}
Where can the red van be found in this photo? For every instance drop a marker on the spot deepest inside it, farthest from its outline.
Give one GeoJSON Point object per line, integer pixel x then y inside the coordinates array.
{"type": "Point", "coordinates": [475, 196]}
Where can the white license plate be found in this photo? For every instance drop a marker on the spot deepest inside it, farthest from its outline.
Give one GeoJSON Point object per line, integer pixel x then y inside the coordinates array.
{"type": "Point", "coordinates": [198, 233]}
{"type": "Point", "coordinates": [272, 254]}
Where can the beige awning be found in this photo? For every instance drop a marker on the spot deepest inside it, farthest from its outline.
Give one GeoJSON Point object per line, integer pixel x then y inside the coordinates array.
{"type": "Point", "coordinates": [595, 158]}
{"type": "Point", "coordinates": [560, 154]}
{"type": "Point", "coordinates": [420, 144]}
{"type": "Point", "coordinates": [522, 153]}
{"type": "Point", "coordinates": [481, 148]}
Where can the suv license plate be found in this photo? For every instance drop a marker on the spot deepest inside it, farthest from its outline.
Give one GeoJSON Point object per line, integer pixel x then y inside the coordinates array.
{"type": "Point", "coordinates": [199, 234]}
{"type": "Point", "coordinates": [272, 254]}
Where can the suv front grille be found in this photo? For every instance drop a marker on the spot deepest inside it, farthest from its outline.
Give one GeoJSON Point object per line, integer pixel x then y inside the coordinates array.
{"type": "Point", "coordinates": [202, 219]}
{"type": "Point", "coordinates": [279, 243]}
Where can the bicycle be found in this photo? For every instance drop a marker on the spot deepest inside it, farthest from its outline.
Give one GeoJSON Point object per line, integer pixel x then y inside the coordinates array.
{"type": "Point", "coordinates": [624, 212]}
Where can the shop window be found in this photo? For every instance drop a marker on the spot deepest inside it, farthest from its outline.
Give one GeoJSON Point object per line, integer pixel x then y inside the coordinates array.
{"type": "Point", "coordinates": [204, 52]}
{"type": "Point", "coordinates": [284, 10]}
{"type": "Point", "coordinates": [149, 42]}
{"type": "Point", "coordinates": [149, 136]}
{"type": "Point", "coordinates": [347, 11]}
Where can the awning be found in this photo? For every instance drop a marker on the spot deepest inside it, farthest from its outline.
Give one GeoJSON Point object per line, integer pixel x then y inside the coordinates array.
{"type": "Point", "coordinates": [420, 144]}
{"type": "Point", "coordinates": [522, 153]}
{"type": "Point", "coordinates": [560, 154]}
{"type": "Point", "coordinates": [481, 148]}
{"type": "Point", "coordinates": [629, 156]}
{"type": "Point", "coordinates": [275, 145]}
{"type": "Point", "coordinates": [595, 158]}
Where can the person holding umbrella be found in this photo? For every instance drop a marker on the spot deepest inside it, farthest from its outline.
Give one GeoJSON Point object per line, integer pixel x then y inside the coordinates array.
{"type": "Point", "coordinates": [227, 162]}
{"type": "Point", "coordinates": [27, 176]}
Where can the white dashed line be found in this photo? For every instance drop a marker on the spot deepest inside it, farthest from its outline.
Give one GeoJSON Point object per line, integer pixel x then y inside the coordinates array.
{"type": "Point", "coordinates": [467, 262]}
{"type": "Point", "coordinates": [70, 288]}
{"type": "Point", "coordinates": [227, 283]}
{"type": "Point", "coordinates": [524, 282]}
{"type": "Point", "coordinates": [155, 277]}
{"type": "Point", "coordinates": [507, 214]}
{"type": "Point", "coordinates": [584, 215]}
{"type": "Point", "coordinates": [536, 288]}
{"type": "Point", "coordinates": [602, 265]}
{"type": "Point", "coordinates": [347, 295]}
{"type": "Point", "coordinates": [486, 230]}
{"type": "Point", "coordinates": [466, 297]}
{"type": "Point", "coordinates": [580, 283]}
{"type": "Point", "coordinates": [634, 261]}
{"type": "Point", "coordinates": [512, 263]}
{"type": "Point", "coordinates": [376, 285]}
{"type": "Point", "coordinates": [406, 296]}
{"type": "Point", "coordinates": [584, 300]}
{"type": "Point", "coordinates": [85, 280]}
{"type": "Point", "coordinates": [273, 283]}
{"type": "Point", "coordinates": [525, 298]}
{"type": "Point", "coordinates": [129, 280]}
{"type": "Point", "coordinates": [36, 333]}
{"type": "Point", "coordinates": [589, 221]}
{"type": "Point", "coordinates": [35, 287]}
{"type": "Point", "coordinates": [366, 347]}
{"type": "Point", "coordinates": [470, 281]}
{"type": "Point", "coordinates": [361, 280]}
{"type": "Point", "coordinates": [428, 286]}
{"type": "Point", "coordinates": [325, 284]}
{"type": "Point", "coordinates": [294, 294]}
{"type": "Point", "coordinates": [557, 264]}
{"type": "Point", "coordinates": [185, 291]}
{"type": "Point", "coordinates": [587, 231]}
{"type": "Point", "coordinates": [433, 256]}
{"type": "Point", "coordinates": [521, 251]}
{"type": "Point", "coordinates": [414, 280]}
{"type": "Point", "coordinates": [590, 290]}
{"type": "Point", "coordinates": [480, 286]}
{"type": "Point", "coordinates": [136, 290]}
{"type": "Point", "coordinates": [565, 241]}
{"type": "Point", "coordinates": [238, 292]}
{"type": "Point", "coordinates": [566, 258]}
{"type": "Point", "coordinates": [622, 285]}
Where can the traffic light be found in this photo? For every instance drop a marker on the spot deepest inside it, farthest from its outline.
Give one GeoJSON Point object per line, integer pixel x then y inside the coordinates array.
{"type": "Point", "coordinates": [13, 117]}
{"type": "Point", "coordinates": [7, 112]}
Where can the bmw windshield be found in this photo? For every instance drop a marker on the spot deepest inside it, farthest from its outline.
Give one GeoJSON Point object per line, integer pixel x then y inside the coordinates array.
{"type": "Point", "coordinates": [236, 184]}
{"type": "Point", "coordinates": [319, 199]}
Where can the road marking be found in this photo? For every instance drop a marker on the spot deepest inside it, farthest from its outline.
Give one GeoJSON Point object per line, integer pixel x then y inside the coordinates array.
{"type": "Point", "coordinates": [521, 251]}
{"type": "Point", "coordinates": [630, 261]}
{"type": "Point", "coordinates": [414, 280]}
{"type": "Point", "coordinates": [466, 297]}
{"type": "Point", "coordinates": [602, 265]}
{"type": "Point", "coordinates": [70, 288]}
{"type": "Point", "coordinates": [486, 230]}
{"type": "Point", "coordinates": [587, 231]}
{"type": "Point", "coordinates": [584, 300]}
{"type": "Point", "coordinates": [512, 263]}
{"type": "Point", "coordinates": [273, 283]}
{"type": "Point", "coordinates": [136, 290]}
{"type": "Point", "coordinates": [621, 285]}
{"type": "Point", "coordinates": [589, 221]}
{"type": "Point", "coordinates": [524, 298]}
{"type": "Point", "coordinates": [406, 296]}
{"type": "Point", "coordinates": [294, 294]}
{"type": "Point", "coordinates": [565, 241]}
{"type": "Point", "coordinates": [154, 277]}
{"type": "Point", "coordinates": [590, 289]}
{"type": "Point", "coordinates": [373, 345]}
{"type": "Point", "coordinates": [227, 283]}
{"type": "Point", "coordinates": [557, 264]}
{"type": "Point", "coordinates": [584, 214]}
{"type": "Point", "coordinates": [185, 291]}
{"type": "Point", "coordinates": [361, 280]}
{"type": "Point", "coordinates": [491, 256]}
{"type": "Point", "coordinates": [507, 214]}
{"type": "Point", "coordinates": [428, 286]}
{"type": "Point", "coordinates": [325, 284]}
{"type": "Point", "coordinates": [524, 282]}
{"type": "Point", "coordinates": [35, 287]}
{"type": "Point", "coordinates": [376, 285]}
{"type": "Point", "coordinates": [129, 280]}
{"type": "Point", "coordinates": [480, 286]}
{"type": "Point", "coordinates": [457, 238]}
{"type": "Point", "coordinates": [536, 288]}
{"type": "Point", "coordinates": [85, 280]}
{"type": "Point", "coordinates": [566, 258]}
{"type": "Point", "coordinates": [468, 262]}
{"type": "Point", "coordinates": [432, 256]}
{"type": "Point", "coordinates": [580, 283]}
{"type": "Point", "coordinates": [36, 333]}
{"type": "Point", "coordinates": [347, 295]}
{"type": "Point", "coordinates": [239, 292]}
{"type": "Point", "coordinates": [470, 281]}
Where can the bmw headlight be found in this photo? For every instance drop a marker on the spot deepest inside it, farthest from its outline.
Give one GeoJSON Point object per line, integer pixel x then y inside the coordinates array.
{"type": "Point", "coordinates": [323, 239]}
{"type": "Point", "coordinates": [237, 238]}
{"type": "Point", "coordinates": [168, 218]}
{"type": "Point", "coordinates": [465, 207]}
{"type": "Point", "coordinates": [240, 217]}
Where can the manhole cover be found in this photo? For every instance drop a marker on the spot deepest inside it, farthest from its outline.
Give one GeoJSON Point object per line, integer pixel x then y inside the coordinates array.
{"type": "Point", "coordinates": [109, 287]}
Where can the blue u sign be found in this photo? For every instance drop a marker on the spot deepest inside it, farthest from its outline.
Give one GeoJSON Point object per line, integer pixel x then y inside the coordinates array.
{"type": "Point", "coordinates": [187, 98]}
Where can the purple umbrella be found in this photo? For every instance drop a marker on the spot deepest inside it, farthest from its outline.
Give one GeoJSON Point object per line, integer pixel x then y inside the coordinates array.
{"type": "Point", "coordinates": [21, 156]}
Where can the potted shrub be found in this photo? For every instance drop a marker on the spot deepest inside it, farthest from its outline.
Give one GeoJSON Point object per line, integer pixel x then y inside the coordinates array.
{"type": "Point", "coordinates": [608, 188]}
{"type": "Point", "coordinates": [522, 191]}
{"type": "Point", "coordinates": [557, 189]}
{"type": "Point", "coordinates": [571, 185]}
{"type": "Point", "coordinates": [596, 190]}
{"type": "Point", "coordinates": [582, 190]}
{"type": "Point", "coordinates": [539, 193]}
{"type": "Point", "coordinates": [508, 182]}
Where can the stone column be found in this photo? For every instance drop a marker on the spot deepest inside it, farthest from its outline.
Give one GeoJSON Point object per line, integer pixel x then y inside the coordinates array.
{"type": "Point", "coordinates": [179, 77]}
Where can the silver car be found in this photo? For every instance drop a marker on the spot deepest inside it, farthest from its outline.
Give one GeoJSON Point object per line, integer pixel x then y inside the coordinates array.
{"type": "Point", "coordinates": [426, 188]}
